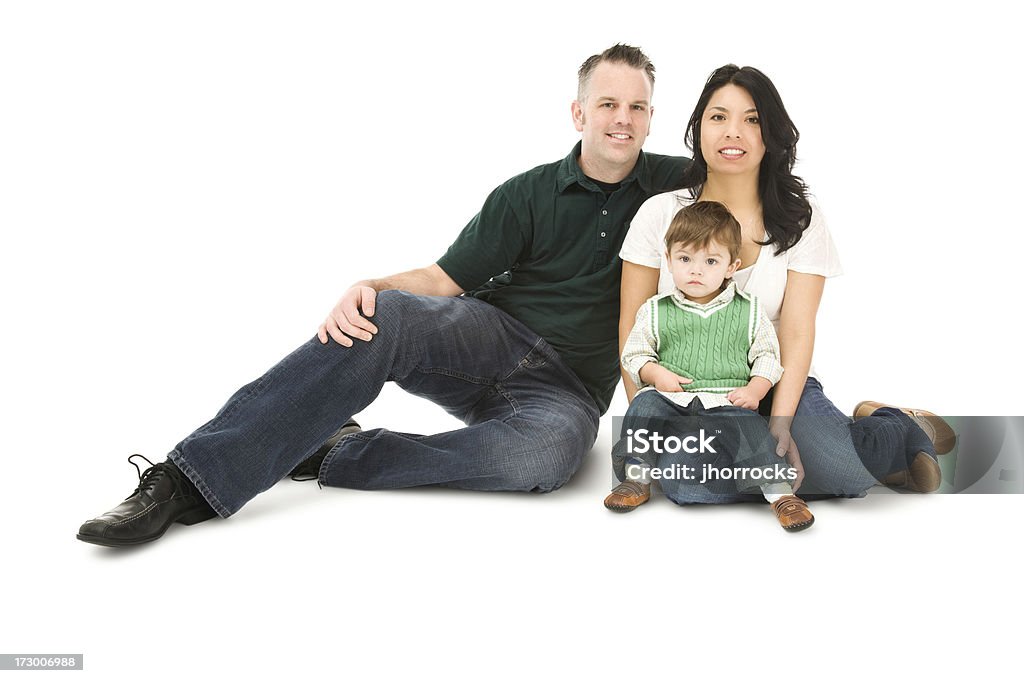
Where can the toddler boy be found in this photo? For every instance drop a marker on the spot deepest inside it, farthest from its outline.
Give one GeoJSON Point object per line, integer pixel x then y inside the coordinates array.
{"type": "Point", "coordinates": [709, 332]}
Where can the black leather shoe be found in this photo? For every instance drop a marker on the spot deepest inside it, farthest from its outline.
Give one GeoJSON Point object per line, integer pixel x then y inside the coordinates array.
{"type": "Point", "coordinates": [309, 469]}
{"type": "Point", "coordinates": [164, 496]}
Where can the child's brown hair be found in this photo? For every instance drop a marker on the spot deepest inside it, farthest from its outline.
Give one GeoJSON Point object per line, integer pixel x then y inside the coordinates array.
{"type": "Point", "coordinates": [700, 223]}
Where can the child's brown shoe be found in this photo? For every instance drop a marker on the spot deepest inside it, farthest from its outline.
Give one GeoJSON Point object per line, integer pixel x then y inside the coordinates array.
{"type": "Point", "coordinates": [793, 513]}
{"type": "Point", "coordinates": [628, 496]}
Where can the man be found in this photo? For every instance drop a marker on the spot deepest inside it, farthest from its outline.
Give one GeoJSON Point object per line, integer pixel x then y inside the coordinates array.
{"type": "Point", "coordinates": [528, 358]}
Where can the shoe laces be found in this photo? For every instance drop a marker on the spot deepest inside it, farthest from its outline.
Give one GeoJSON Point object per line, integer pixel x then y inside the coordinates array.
{"type": "Point", "coordinates": [154, 473]}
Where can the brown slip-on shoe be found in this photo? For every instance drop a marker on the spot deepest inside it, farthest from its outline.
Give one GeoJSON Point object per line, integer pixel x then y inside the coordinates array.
{"type": "Point", "coordinates": [628, 496]}
{"type": "Point", "coordinates": [923, 476]}
{"type": "Point", "coordinates": [937, 429]}
{"type": "Point", "coordinates": [793, 513]}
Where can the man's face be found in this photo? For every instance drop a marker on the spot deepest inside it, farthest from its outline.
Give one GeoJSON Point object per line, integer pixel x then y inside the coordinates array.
{"type": "Point", "coordinates": [615, 118]}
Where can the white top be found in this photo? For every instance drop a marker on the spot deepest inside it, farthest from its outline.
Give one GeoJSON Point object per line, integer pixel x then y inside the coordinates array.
{"type": "Point", "coordinates": [814, 254]}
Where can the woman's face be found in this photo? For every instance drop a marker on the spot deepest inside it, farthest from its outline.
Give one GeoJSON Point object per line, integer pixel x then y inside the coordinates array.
{"type": "Point", "coordinates": [730, 133]}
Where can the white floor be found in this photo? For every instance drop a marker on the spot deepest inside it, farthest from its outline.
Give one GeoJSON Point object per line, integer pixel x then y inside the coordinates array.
{"type": "Point", "coordinates": [188, 188]}
{"type": "Point", "coordinates": [304, 582]}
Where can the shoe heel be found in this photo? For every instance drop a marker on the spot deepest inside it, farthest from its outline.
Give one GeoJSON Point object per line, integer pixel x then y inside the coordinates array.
{"type": "Point", "coordinates": [924, 475]}
{"type": "Point", "coordinates": [945, 437]}
{"type": "Point", "coordinates": [196, 516]}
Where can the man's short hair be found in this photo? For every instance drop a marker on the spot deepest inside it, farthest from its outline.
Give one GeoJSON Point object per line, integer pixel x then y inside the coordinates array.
{"type": "Point", "coordinates": [701, 223]}
{"type": "Point", "coordinates": [618, 54]}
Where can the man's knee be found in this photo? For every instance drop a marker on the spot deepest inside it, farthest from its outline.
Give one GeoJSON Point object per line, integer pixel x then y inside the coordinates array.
{"type": "Point", "coordinates": [542, 476]}
{"type": "Point", "coordinates": [393, 308]}
{"type": "Point", "coordinates": [549, 463]}
{"type": "Point", "coordinates": [558, 472]}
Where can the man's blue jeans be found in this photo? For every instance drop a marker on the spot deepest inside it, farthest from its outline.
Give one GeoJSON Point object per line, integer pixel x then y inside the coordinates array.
{"type": "Point", "coordinates": [530, 420]}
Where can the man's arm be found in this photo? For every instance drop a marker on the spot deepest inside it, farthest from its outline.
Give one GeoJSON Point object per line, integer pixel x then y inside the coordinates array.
{"type": "Point", "coordinates": [489, 245]}
{"type": "Point", "coordinates": [346, 322]}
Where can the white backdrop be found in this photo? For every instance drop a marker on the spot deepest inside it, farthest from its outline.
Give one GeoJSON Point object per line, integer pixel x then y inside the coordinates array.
{"type": "Point", "coordinates": [186, 188]}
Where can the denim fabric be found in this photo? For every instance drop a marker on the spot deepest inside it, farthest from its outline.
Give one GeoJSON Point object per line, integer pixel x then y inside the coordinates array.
{"type": "Point", "coordinates": [840, 457]}
{"type": "Point", "coordinates": [741, 440]}
{"type": "Point", "coordinates": [846, 458]}
{"type": "Point", "coordinates": [530, 419]}
{"type": "Point", "coordinates": [824, 436]}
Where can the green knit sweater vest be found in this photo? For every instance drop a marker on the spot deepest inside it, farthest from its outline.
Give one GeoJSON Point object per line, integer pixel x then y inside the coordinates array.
{"type": "Point", "coordinates": [712, 351]}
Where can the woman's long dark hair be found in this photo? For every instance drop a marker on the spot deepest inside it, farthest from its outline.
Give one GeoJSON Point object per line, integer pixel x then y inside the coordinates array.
{"type": "Point", "coordinates": [787, 213]}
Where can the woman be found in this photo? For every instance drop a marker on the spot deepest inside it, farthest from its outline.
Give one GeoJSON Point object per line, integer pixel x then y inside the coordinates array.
{"type": "Point", "coordinates": [744, 148]}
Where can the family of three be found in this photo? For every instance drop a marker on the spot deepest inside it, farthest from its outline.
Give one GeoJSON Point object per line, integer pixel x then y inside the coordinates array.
{"type": "Point", "coordinates": [517, 331]}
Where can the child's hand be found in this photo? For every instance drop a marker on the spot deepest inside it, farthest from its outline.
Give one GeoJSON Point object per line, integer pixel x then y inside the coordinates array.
{"type": "Point", "coordinates": [670, 381]}
{"type": "Point", "coordinates": [662, 378]}
{"type": "Point", "coordinates": [744, 397]}
{"type": "Point", "coordinates": [749, 396]}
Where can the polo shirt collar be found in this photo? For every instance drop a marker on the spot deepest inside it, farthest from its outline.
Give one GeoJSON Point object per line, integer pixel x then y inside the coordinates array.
{"type": "Point", "coordinates": [569, 171]}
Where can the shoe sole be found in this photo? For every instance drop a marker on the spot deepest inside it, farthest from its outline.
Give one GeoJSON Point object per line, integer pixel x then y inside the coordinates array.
{"type": "Point", "coordinates": [945, 437]}
{"type": "Point", "coordinates": [188, 519]}
{"type": "Point", "coordinates": [622, 508]}
{"type": "Point", "coordinates": [799, 527]}
{"type": "Point", "coordinates": [924, 475]}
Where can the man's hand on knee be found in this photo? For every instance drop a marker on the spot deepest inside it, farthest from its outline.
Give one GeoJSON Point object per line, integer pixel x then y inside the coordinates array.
{"type": "Point", "coordinates": [345, 322]}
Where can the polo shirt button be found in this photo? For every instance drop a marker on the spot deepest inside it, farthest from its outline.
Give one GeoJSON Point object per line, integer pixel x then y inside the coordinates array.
{"type": "Point", "coordinates": [604, 212]}
{"type": "Point", "coordinates": [603, 234]}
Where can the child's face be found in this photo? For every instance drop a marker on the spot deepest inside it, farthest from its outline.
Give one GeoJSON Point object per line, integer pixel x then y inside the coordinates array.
{"type": "Point", "coordinates": [699, 273]}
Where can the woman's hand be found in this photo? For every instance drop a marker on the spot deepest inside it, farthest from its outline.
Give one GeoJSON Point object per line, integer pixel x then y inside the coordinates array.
{"type": "Point", "coordinates": [796, 339]}
{"type": "Point", "coordinates": [779, 427]}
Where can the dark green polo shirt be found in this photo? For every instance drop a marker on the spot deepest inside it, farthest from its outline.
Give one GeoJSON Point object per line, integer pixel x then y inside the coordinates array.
{"type": "Point", "coordinates": [545, 249]}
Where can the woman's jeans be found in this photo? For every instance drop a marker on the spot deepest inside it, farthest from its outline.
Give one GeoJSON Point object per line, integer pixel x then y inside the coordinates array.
{"type": "Point", "coordinates": [840, 457]}
{"type": "Point", "coordinates": [530, 420]}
